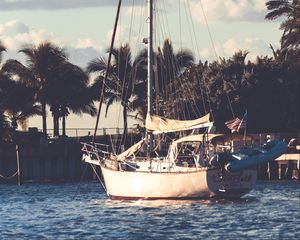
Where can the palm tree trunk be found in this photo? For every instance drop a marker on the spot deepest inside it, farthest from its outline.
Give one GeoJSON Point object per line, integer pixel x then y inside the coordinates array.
{"type": "Point", "coordinates": [64, 125]}
{"type": "Point", "coordinates": [55, 123]}
{"type": "Point", "coordinates": [44, 116]}
{"type": "Point", "coordinates": [125, 124]}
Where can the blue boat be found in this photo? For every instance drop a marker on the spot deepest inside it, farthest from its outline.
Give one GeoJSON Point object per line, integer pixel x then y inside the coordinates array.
{"type": "Point", "coordinates": [249, 158]}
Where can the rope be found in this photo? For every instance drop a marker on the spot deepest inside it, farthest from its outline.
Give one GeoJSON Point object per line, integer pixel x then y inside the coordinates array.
{"type": "Point", "coordinates": [100, 180]}
{"type": "Point", "coordinates": [9, 177]}
{"type": "Point", "coordinates": [81, 177]}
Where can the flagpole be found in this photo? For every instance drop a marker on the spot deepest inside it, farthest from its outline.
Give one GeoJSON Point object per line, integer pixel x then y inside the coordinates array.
{"type": "Point", "coordinates": [245, 129]}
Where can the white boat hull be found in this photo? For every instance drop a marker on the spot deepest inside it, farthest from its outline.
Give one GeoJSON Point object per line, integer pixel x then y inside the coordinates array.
{"type": "Point", "coordinates": [177, 185]}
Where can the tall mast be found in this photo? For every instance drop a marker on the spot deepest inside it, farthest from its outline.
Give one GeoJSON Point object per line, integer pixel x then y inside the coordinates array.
{"type": "Point", "coordinates": [150, 70]}
{"type": "Point", "coordinates": [150, 58]}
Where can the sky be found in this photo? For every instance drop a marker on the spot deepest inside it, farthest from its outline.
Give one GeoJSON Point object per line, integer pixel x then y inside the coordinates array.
{"type": "Point", "coordinates": [84, 28]}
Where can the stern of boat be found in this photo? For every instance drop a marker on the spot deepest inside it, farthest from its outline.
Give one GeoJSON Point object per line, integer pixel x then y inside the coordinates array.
{"type": "Point", "coordinates": [231, 185]}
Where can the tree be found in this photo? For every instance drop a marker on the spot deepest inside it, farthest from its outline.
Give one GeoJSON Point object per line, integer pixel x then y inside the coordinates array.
{"type": "Point", "coordinates": [56, 82]}
{"type": "Point", "coordinates": [68, 92]}
{"type": "Point", "coordinates": [290, 41]}
{"type": "Point", "coordinates": [41, 65]}
{"type": "Point", "coordinates": [4, 124]}
{"type": "Point", "coordinates": [124, 72]}
{"type": "Point", "coordinates": [16, 99]}
{"type": "Point", "coordinates": [169, 66]}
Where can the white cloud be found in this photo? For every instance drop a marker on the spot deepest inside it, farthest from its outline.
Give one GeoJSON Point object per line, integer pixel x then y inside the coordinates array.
{"type": "Point", "coordinates": [15, 34]}
{"type": "Point", "coordinates": [255, 47]}
{"type": "Point", "coordinates": [82, 56]}
{"type": "Point", "coordinates": [125, 35]}
{"type": "Point", "coordinates": [228, 10]}
{"type": "Point", "coordinates": [13, 27]}
{"type": "Point", "coordinates": [87, 43]}
{"type": "Point", "coordinates": [6, 5]}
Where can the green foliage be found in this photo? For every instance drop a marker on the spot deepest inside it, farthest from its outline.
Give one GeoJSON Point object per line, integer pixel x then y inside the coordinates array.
{"type": "Point", "coordinates": [46, 79]}
{"type": "Point", "coordinates": [290, 40]}
{"type": "Point", "coordinates": [268, 89]}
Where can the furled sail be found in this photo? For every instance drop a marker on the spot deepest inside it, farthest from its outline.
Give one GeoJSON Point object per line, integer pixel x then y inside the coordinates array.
{"type": "Point", "coordinates": [132, 150]}
{"type": "Point", "coordinates": [157, 124]}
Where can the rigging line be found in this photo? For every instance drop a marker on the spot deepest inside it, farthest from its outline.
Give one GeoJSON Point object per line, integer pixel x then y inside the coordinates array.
{"type": "Point", "coordinates": [81, 178]}
{"type": "Point", "coordinates": [131, 20]}
{"type": "Point", "coordinates": [180, 26]}
{"type": "Point", "coordinates": [155, 60]}
{"type": "Point", "coordinates": [189, 25]}
{"type": "Point", "coordinates": [9, 177]}
{"type": "Point", "coordinates": [171, 68]}
{"type": "Point", "coordinates": [190, 21]}
{"type": "Point", "coordinates": [127, 78]}
{"type": "Point", "coordinates": [107, 70]}
{"type": "Point", "coordinates": [209, 103]}
{"type": "Point", "coordinates": [119, 87]}
{"type": "Point", "coordinates": [208, 30]}
{"type": "Point", "coordinates": [160, 31]}
{"type": "Point", "coordinates": [200, 88]}
{"type": "Point", "coordinates": [165, 16]}
{"type": "Point", "coordinates": [193, 27]}
{"type": "Point", "coordinates": [215, 52]}
{"type": "Point", "coordinates": [100, 180]}
{"type": "Point", "coordinates": [177, 64]}
{"type": "Point", "coordinates": [227, 95]}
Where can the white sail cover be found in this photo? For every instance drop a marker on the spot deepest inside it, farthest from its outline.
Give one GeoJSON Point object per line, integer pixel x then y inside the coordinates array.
{"type": "Point", "coordinates": [130, 151]}
{"type": "Point", "coordinates": [157, 124]}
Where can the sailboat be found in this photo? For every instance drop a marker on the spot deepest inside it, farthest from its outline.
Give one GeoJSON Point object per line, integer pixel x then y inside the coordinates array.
{"type": "Point", "coordinates": [195, 166]}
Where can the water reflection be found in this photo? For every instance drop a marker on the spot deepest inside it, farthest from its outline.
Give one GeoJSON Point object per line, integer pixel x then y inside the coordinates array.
{"type": "Point", "coordinates": [171, 203]}
{"type": "Point", "coordinates": [83, 211]}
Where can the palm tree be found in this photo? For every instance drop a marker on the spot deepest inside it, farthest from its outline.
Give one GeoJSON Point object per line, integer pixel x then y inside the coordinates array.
{"type": "Point", "coordinates": [57, 83]}
{"type": "Point", "coordinates": [42, 62]}
{"type": "Point", "coordinates": [170, 65]}
{"type": "Point", "coordinates": [20, 105]}
{"type": "Point", "coordinates": [16, 99]}
{"type": "Point", "coordinates": [4, 124]}
{"type": "Point", "coordinates": [124, 72]}
{"type": "Point", "coordinates": [290, 40]}
{"type": "Point", "coordinates": [68, 92]}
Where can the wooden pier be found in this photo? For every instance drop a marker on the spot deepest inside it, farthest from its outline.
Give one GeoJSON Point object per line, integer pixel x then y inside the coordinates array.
{"type": "Point", "coordinates": [52, 163]}
{"type": "Point", "coordinates": [61, 161]}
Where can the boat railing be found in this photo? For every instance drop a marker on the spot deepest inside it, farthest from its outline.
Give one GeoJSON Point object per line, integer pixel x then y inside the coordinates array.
{"type": "Point", "coordinates": [96, 150]}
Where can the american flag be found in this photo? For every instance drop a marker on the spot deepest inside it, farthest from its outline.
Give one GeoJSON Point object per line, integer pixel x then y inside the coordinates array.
{"type": "Point", "coordinates": [233, 124]}
{"type": "Point", "coordinates": [243, 123]}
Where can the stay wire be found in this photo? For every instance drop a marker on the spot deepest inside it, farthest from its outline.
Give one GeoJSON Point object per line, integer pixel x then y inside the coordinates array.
{"type": "Point", "coordinates": [216, 55]}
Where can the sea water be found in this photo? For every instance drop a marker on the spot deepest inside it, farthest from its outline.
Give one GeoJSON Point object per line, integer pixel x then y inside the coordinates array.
{"type": "Point", "coordinates": [83, 211]}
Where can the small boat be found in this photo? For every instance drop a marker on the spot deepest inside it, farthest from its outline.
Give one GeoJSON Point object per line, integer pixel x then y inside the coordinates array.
{"type": "Point", "coordinates": [194, 166]}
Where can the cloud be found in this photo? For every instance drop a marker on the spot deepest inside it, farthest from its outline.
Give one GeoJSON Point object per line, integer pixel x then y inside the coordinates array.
{"type": "Point", "coordinates": [82, 56]}
{"type": "Point", "coordinates": [87, 43]}
{"type": "Point", "coordinates": [255, 47]}
{"type": "Point", "coordinates": [15, 34]}
{"type": "Point", "coordinates": [8, 5]}
{"type": "Point", "coordinates": [125, 34]}
{"type": "Point", "coordinates": [228, 10]}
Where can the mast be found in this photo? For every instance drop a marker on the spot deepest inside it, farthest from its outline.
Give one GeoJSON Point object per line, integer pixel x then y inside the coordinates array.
{"type": "Point", "coordinates": [150, 72]}
{"type": "Point", "coordinates": [107, 69]}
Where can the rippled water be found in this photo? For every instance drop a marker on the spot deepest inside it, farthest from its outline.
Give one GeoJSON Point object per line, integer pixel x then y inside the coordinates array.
{"type": "Point", "coordinates": [82, 211]}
